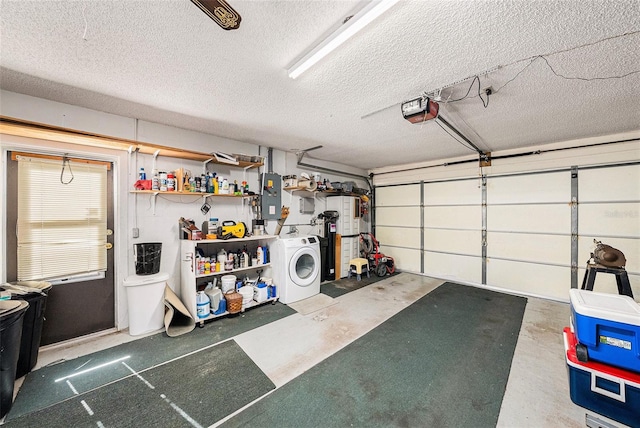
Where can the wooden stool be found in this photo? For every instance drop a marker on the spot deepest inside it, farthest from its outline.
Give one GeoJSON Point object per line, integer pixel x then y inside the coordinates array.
{"type": "Point", "coordinates": [358, 266]}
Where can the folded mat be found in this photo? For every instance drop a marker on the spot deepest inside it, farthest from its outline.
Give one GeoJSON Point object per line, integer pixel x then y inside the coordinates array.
{"type": "Point", "coordinates": [177, 319]}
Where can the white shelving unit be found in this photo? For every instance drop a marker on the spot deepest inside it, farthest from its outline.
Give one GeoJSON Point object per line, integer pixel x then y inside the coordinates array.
{"type": "Point", "coordinates": [190, 280]}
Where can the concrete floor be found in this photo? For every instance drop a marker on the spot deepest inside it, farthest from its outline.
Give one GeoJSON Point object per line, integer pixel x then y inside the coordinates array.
{"type": "Point", "coordinates": [537, 392]}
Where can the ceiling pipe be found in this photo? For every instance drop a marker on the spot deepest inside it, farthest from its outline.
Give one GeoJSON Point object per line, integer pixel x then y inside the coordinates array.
{"type": "Point", "coordinates": [334, 171]}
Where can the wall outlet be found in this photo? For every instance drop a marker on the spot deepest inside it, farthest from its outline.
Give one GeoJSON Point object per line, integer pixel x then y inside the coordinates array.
{"type": "Point", "coordinates": [135, 232]}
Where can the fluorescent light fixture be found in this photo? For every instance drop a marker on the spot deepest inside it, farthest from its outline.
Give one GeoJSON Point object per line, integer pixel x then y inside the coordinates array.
{"type": "Point", "coordinates": [360, 20]}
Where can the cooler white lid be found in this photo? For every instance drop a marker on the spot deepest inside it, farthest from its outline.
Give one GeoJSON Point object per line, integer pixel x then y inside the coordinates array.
{"type": "Point", "coordinates": [133, 280]}
{"type": "Point", "coordinates": [606, 306]}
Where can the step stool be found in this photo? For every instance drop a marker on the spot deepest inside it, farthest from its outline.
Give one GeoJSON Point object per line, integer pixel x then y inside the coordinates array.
{"type": "Point", "coordinates": [358, 266]}
{"type": "Point", "coordinates": [622, 279]}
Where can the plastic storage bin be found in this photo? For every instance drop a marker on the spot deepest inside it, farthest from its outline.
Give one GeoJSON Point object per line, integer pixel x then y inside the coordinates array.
{"type": "Point", "coordinates": [145, 300]}
{"type": "Point", "coordinates": [11, 319]}
{"type": "Point", "coordinates": [606, 390]}
{"type": "Point", "coordinates": [608, 325]}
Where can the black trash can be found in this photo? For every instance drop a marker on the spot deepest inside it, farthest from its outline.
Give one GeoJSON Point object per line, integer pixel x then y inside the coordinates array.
{"type": "Point", "coordinates": [34, 293]}
{"type": "Point", "coordinates": [11, 319]}
{"type": "Point", "coordinates": [147, 257]}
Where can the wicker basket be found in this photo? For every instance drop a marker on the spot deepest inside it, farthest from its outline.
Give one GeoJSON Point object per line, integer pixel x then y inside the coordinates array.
{"type": "Point", "coordinates": [234, 302]}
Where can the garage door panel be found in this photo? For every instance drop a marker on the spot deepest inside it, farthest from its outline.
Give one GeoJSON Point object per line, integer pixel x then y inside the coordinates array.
{"type": "Point", "coordinates": [621, 183]}
{"type": "Point", "coordinates": [466, 242]}
{"type": "Point", "coordinates": [453, 267]}
{"type": "Point", "coordinates": [606, 283]}
{"type": "Point", "coordinates": [454, 217]}
{"type": "Point", "coordinates": [549, 218]}
{"type": "Point", "coordinates": [453, 192]}
{"type": "Point", "coordinates": [406, 260]}
{"type": "Point", "coordinates": [398, 195]}
{"type": "Point", "coordinates": [398, 236]}
{"type": "Point", "coordinates": [629, 247]}
{"type": "Point", "coordinates": [554, 249]}
{"type": "Point", "coordinates": [543, 280]}
{"type": "Point", "coordinates": [610, 219]}
{"type": "Point", "coordinates": [398, 216]}
{"type": "Point", "coordinates": [549, 187]}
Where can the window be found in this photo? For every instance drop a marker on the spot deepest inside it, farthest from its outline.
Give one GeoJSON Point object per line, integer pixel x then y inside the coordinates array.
{"type": "Point", "coordinates": [62, 218]}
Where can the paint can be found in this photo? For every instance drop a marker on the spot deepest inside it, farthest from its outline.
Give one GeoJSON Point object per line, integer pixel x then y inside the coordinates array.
{"type": "Point", "coordinates": [228, 283]}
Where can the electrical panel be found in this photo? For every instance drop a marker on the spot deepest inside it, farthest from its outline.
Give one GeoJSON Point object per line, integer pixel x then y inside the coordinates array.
{"type": "Point", "coordinates": [271, 201]}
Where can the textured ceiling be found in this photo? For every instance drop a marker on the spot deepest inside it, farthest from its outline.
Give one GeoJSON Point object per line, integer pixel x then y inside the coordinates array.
{"type": "Point", "coordinates": [167, 62]}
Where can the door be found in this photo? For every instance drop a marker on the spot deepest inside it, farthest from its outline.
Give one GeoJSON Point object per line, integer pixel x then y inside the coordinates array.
{"type": "Point", "coordinates": [304, 266]}
{"type": "Point", "coordinates": [73, 309]}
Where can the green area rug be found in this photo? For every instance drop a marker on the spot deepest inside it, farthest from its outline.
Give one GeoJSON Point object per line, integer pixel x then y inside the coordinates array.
{"type": "Point", "coordinates": [40, 390]}
{"type": "Point", "coordinates": [193, 391]}
{"type": "Point", "coordinates": [345, 285]}
{"type": "Point", "coordinates": [444, 361]}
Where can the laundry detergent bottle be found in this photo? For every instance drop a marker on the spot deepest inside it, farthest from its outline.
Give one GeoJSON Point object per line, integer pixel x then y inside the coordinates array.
{"type": "Point", "coordinates": [202, 304]}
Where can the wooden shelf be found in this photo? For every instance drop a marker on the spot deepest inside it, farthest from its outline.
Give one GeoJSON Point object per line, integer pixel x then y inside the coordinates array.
{"type": "Point", "coordinates": [246, 239]}
{"type": "Point", "coordinates": [160, 192]}
{"type": "Point", "coordinates": [23, 128]}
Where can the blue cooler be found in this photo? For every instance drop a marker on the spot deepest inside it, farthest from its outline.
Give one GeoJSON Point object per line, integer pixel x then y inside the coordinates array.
{"type": "Point", "coordinates": [603, 389]}
{"type": "Point", "coordinates": [608, 325]}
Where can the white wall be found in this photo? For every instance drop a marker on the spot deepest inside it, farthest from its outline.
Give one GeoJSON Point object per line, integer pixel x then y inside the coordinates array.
{"type": "Point", "coordinates": [133, 210]}
{"type": "Point", "coordinates": [528, 210]}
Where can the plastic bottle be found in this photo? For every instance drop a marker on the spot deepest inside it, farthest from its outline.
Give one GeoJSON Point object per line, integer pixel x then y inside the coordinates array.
{"type": "Point", "coordinates": [225, 187]}
{"type": "Point", "coordinates": [260, 256]}
{"type": "Point", "coordinates": [245, 259]}
{"type": "Point", "coordinates": [171, 182]}
{"type": "Point", "coordinates": [163, 181]}
{"type": "Point", "coordinates": [155, 182]}
{"type": "Point", "coordinates": [216, 189]}
{"type": "Point", "coordinates": [222, 256]}
{"type": "Point", "coordinates": [202, 304]}
{"type": "Point", "coordinates": [203, 183]}
{"type": "Point", "coordinates": [142, 175]}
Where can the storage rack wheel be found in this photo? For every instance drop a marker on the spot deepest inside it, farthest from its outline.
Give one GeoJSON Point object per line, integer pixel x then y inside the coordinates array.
{"type": "Point", "coordinates": [582, 353]}
{"type": "Point", "coordinates": [201, 324]}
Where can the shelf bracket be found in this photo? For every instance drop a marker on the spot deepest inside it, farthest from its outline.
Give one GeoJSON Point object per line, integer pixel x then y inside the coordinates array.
{"type": "Point", "coordinates": [204, 165]}
{"type": "Point", "coordinates": [155, 157]}
{"type": "Point", "coordinates": [153, 203]}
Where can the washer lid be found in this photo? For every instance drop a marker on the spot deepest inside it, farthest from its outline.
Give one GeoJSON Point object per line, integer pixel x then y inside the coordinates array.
{"type": "Point", "coordinates": [133, 280]}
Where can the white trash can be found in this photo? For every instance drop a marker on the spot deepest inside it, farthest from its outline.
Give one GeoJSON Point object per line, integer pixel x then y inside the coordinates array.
{"type": "Point", "coordinates": [145, 298]}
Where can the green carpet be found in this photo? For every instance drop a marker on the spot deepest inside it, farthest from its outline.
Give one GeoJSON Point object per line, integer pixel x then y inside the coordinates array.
{"type": "Point", "coordinates": [444, 361]}
{"type": "Point", "coordinates": [345, 285]}
{"type": "Point", "coordinates": [193, 391]}
{"type": "Point", "coordinates": [39, 389]}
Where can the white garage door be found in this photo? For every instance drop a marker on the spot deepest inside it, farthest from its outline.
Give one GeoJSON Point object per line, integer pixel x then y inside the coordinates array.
{"type": "Point", "coordinates": [539, 227]}
{"type": "Point", "coordinates": [609, 211]}
{"type": "Point", "coordinates": [453, 229]}
{"type": "Point", "coordinates": [529, 233]}
{"type": "Point", "coordinates": [398, 227]}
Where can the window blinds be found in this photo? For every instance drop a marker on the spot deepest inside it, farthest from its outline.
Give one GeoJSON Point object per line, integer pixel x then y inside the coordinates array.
{"type": "Point", "coordinates": [61, 228]}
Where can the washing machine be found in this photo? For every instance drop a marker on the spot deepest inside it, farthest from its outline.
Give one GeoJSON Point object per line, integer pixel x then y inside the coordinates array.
{"type": "Point", "coordinates": [296, 267]}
